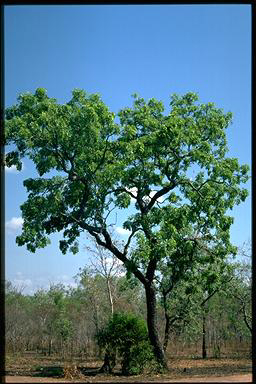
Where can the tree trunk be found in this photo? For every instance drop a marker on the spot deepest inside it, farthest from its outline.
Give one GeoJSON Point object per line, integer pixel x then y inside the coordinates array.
{"type": "Point", "coordinates": [204, 352]}
{"type": "Point", "coordinates": [166, 332]}
{"type": "Point", "coordinates": [109, 362]}
{"type": "Point", "coordinates": [167, 323]}
{"type": "Point", "coordinates": [50, 346]}
{"type": "Point", "coordinates": [245, 316]}
{"type": "Point", "coordinates": [110, 356]}
{"type": "Point", "coordinates": [152, 325]}
{"type": "Point", "coordinates": [110, 297]}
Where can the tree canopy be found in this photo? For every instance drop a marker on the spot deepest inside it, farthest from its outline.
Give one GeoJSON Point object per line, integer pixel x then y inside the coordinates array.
{"type": "Point", "coordinates": [149, 157]}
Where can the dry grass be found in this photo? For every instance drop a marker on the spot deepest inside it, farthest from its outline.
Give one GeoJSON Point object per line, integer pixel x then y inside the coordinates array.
{"type": "Point", "coordinates": [41, 366]}
{"type": "Point", "coordinates": [71, 371]}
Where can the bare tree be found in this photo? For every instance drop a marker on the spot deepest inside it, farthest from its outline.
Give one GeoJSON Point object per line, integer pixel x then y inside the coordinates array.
{"type": "Point", "coordinates": [107, 265]}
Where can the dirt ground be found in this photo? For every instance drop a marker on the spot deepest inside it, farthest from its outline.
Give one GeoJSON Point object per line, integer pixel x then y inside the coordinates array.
{"type": "Point", "coordinates": [213, 379]}
{"type": "Point", "coordinates": [185, 370]}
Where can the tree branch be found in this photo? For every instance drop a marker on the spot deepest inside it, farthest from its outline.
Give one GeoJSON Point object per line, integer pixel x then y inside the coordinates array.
{"type": "Point", "coordinates": [129, 240]}
{"type": "Point", "coordinates": [158, 194]}
{"type": "Point", "coordinates": [108, 244]}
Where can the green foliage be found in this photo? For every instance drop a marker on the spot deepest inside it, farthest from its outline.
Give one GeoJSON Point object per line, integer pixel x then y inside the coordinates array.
{"type": "Point", "coordinates": [64, 327]}
{"type": "Point", "coordinates": [52, 313]}
{"type": "Point", "coordinates": [127, 335]}
{"type": "Point", "coordinates": [139, 358]}
{"type": "Point", "coordinates": [100, 162]}
{"type": "Point", "coordinates": [220, 291]}
{"type": "Point", "coordinates": [72, 139]}
{"type": "Point", "coordinates": [240, 289]}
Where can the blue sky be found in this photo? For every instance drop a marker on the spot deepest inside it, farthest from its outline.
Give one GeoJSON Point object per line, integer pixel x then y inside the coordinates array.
{"type": "Point", "coordinates": [116, 50]}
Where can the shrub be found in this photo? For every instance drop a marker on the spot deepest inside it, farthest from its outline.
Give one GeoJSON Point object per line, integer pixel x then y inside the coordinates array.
{"type": "Point", "coordinates": [127, 336]}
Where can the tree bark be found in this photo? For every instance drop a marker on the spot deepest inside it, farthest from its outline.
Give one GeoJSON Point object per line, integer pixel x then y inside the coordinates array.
{"type": "Point", "coordinates": [152, 325]}
{"type": "Point", "coordinates": [166, 332]}
{"type": "Point", "coordinates": [204, 351]}
{"type": "Point", "coordinates": [50, 346]}
{"type": "Point", "coordinates": [110, 356]}
{"type": "Point", "coordinates": [109, 362]}
{"type": "Point", "coordinates": [110, 297]}
{"type": "Point", "coordinates": [245, 316]}
{"type": "Point", "coordinates": [167, 323]}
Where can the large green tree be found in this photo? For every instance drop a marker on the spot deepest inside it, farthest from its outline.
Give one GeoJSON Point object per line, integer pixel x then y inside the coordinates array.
{"type": "Point", "coordinates": [147, 158]}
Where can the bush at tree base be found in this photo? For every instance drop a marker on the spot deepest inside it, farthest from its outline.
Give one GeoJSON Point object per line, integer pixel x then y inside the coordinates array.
{"type": "Point", "coordinates": [127, 335]}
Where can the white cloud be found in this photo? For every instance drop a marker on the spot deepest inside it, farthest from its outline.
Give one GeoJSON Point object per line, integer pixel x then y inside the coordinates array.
{"type": "Point", "coordinates": [134, 191]}
{"type": "Point", "coordinates": [14, 224]}
{"type": "Point", "coordinates": [66, 280]}
{"type": "Point", "coordinates": [13, 168]}
{"type": "Point", "coordinates": [122, 231]}
{"type": "Point", "coordinates": [70, 284]}
{"type": "Point", "coordinates": [22, 283]}
{"type": "Point", "coordinates": [160, 199]}
{"type": "Point", "coordinates": [29, 286]}
{"type": "Point", "coordinates": [110, 260]}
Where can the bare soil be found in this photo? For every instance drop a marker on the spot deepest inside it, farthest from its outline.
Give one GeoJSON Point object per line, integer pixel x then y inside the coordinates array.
{"type": "Point", "coordinates": [213, 379]}
{"type": "Point", "coordinates": [32, 370]}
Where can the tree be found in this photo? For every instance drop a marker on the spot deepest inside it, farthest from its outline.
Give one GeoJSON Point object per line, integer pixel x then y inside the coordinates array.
{"type": "Point", "coordinates": [186, 289]}
{"type": "Point", "coordinates": [51, 316]}
{"type": "Point", "coordinates": [94, 290]}
{"type": "Point", "coordinates": [215, 298]}
{"type": "Point", "coordinates": [17, 319]}
{"type": "Point", "coordinates": [147, 158]}
{"type": "Point", "coordinates": [240, 288]}
{"type": "Point", "coordinates": [108, 266]}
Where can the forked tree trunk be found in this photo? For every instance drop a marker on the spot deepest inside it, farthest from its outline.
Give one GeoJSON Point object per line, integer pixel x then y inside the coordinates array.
{"type": "Point", "coordinates": [152, 326]}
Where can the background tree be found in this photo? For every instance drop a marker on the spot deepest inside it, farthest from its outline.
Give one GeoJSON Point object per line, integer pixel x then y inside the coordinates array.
{"type": "Point", "coordinates": [17, 322]}
{"type": "Point", "coordinates": [203, 307]}
{"type": "Point", "coordinates": [108, 266]}
{"type": "Point", "coordinates": [94, 288]}
{"type": "Point", "coordinates": [187, 288]}
{"type": "Point", "coordinates": [32, 320]}
{"type": "Point", "coordinates": [51, 314]}
{"type": "Point", "coordinates": [240, 287]}
{"type": "Point", "coordinates": [102, 165]}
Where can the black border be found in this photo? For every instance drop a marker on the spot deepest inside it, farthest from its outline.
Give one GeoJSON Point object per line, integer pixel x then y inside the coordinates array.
{"type": "Point", "coordinates": [2, 199]}
{"type": "Point", "coordinates": [2, 173]}
{"type": "Point", "coordinates": [253, 62]}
